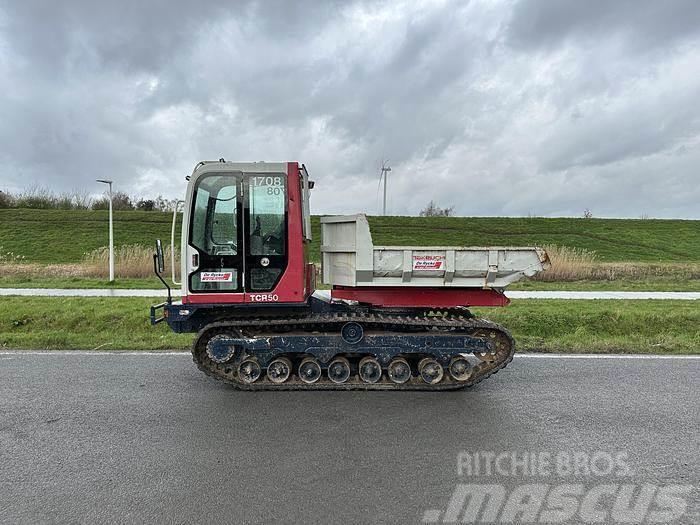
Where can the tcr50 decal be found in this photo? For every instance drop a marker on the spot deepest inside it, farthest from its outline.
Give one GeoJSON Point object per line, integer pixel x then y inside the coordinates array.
{"type": "Point", "coordinates": [264, 297]}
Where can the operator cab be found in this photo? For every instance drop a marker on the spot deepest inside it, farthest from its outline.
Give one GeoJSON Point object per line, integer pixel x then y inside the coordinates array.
{"type": "Point", "coordinates": [245, 229]}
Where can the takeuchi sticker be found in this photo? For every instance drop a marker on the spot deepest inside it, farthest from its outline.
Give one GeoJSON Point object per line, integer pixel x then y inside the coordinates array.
{"type": "Point", "coordinates": [428, 262]}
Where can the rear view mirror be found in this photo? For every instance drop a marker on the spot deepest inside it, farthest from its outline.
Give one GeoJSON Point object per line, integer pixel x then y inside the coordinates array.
{"type": "Point", "coordinates": [160, 262]}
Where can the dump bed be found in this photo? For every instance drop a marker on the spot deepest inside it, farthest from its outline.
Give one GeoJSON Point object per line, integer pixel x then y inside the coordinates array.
{"type": "Point", "coordinates": [351, 259]}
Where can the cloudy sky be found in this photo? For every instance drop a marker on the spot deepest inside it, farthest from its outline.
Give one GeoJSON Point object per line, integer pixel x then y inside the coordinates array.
{"type": "Point", "coordinates": [495, 107]}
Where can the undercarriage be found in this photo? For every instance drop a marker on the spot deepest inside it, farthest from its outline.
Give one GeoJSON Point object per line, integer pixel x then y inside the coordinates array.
{"type": "Point", "coordinates": [411, 350]}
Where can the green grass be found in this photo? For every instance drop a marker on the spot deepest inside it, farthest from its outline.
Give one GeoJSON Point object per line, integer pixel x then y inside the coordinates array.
{"type": "Point", "coordinates": [601, 326]}
{"type": "Point", "coordinates": [83, 323]}
{"type": "Point", "coordinates": [659, 284]}
{"type": "Point", "coordinates": [612, 239]}
{"type": "Point", "coordinates": [648, 285]}
{"type": "Point", "coordinates": [79, 282]}
{"type": "Point", "coordinates": [57, 236]}
{"type": "Point", "coordinates": [667, 327]}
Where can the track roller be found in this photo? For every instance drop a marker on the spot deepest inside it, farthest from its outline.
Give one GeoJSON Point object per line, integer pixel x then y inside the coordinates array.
{"type": "Point", "coordinates": [279, 370]}
{"type": "Point", "coordinates": [460, 369]}
{"type": "Point", "coordinates": [370, 370]}
{"type": "Point", "coordinates": [430, 370]}
{"type": "Point", "coordinates": [339, 370]}
{"type": "Point", "coordinates": [249, 370]}
{"type": "Point", "coordinates": [309, 370]}
{"type": "Point", "coordinates": [399, 371]}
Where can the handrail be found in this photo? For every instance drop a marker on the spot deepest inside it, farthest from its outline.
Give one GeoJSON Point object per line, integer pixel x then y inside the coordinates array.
{"type": "Point", "coordinates": [172, 243]}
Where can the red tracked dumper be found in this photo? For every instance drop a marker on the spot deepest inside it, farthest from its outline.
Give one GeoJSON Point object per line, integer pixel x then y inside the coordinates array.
{"type": "Point", "coordinates": [396, 317]}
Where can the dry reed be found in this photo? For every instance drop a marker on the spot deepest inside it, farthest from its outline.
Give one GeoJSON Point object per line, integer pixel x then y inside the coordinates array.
{"type": "Point", "coordinates": [577, 264]}
{"type": "Point", "coordinates": [568, 264]}
{"type": "Point", "coordinates": [136, 261]}
{"type": "Point", "coordinates": [132, 261]}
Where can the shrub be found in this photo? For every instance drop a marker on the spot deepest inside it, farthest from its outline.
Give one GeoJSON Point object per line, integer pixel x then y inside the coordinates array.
{"type": "Point", "coordinates": [146, 205]}
{"type": "Point", "coordinates": [6, 200]}
{"type": "Point", "coordinates": [10, 258]}
{"type": "Point", "coordinates": [120, 202]}
{"type": "Point", "coordinates": [37, 198]}
{"type": "Point", "coordinates": [433, 210]}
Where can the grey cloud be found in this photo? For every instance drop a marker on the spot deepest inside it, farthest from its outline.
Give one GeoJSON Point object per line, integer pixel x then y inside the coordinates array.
{"type": "Point", "coordinates": [498, 108]}
{"type": "Point", "coordinates": [643, 24]}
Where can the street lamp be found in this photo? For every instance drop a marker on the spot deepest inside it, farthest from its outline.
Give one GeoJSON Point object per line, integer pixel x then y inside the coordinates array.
{"type": "Point", "coordinates": [111, 231]}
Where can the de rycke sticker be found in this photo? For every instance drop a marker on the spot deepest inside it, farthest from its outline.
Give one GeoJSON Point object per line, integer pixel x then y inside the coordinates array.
{"type": "Point", "coordinates": [216, 277]}
{"type": "Point", "coordinates": [428, 262]}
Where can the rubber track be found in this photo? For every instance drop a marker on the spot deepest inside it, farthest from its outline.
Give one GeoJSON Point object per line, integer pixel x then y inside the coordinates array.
{"type": "Point", "coordinates": [448, 320]}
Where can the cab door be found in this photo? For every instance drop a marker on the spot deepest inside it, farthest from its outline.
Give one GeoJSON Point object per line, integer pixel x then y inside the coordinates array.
{"type": "Point", "coordinates": [265, 219]}
{"type": "Point", "coordinates": [217, 234]}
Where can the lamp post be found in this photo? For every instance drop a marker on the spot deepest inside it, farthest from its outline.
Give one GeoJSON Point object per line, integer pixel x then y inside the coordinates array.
{"type": "Point", "coordinates": [111, 231]}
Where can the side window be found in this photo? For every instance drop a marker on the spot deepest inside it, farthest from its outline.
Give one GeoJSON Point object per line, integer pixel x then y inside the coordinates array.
{"type": "Point", "coordinates": [268, 230]}
{"type": "Point", "coordinates": [223, 230]}
{"type": "Point", "coordinates": [199, 220]}
{"type": "Point", "coordinates": [267, 215]}
{"type": "Point", "coordinates": [215, 215]}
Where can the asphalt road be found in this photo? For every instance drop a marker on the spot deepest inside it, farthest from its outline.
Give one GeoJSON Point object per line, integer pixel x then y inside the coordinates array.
{"type": "Point", "coordinates": [148, 438]}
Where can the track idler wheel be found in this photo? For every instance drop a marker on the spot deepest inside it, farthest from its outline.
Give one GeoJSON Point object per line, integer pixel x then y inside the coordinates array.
{"type": "Point", "coordinates": [460, 369]}
{"type": "Point", "coordinates": [279, 370]}
{"type": "Point", "coordinates": [309, 370]}
{"type": "Point", "coordinates": [249, 370]}
{"type": "Point", "coordinates": [399, 371]}
{"type": "Point", "coordinates": [339, 370]}
{"type": "Point", "coordinates": [352, 333]}
{"type": "Point", "coordinates": [370, 370]}
{"type": "Point", "coordinates": [430, 370]}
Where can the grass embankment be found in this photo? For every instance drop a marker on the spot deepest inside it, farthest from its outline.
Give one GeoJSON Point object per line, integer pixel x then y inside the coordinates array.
{"type": "Point", "coordinates": [57, 248]}
{"type": "Point", "coordinates": [56, 236]}
{"type": "Point", "coordinates": [612, 240]}
{"type": "Point", "coordinates": [537, 325]}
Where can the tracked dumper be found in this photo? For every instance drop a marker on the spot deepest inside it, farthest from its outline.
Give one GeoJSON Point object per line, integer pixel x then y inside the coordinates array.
{"type": "Point", "coordinates": [395, 318]}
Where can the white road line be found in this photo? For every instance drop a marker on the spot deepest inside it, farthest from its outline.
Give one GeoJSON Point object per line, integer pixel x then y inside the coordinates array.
{"type": "Point", "coordinates": [144, 353]}
{"type": "Point", "coordinates": [606, 356]}
{"type": "Point", "coordinates": [597, 295]}
{"type": "Point", "coordinates": [82, 292]}
{"type": "Point", "coordinates": [150, 353]}
{"type": "Point", "coordinates": [522, 294]}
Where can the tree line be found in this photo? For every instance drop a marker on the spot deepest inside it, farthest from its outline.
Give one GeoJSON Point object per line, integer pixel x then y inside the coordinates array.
{"type": "Point", "coordinates": [43, 199]}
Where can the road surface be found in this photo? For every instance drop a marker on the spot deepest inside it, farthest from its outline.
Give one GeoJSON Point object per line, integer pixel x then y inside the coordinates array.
{"type": "Point", "coordinates": [145, 437]}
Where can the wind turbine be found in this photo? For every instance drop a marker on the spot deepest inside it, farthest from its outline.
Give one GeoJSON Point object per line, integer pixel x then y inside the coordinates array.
{"type": "Point", "coordinates": [385, 169]}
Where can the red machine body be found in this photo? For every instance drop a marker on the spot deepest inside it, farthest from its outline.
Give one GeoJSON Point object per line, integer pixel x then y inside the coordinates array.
{"type": "Point", "coordinates": [395, 318]}
{"type": "Point", "coordinates": [231, 261]}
